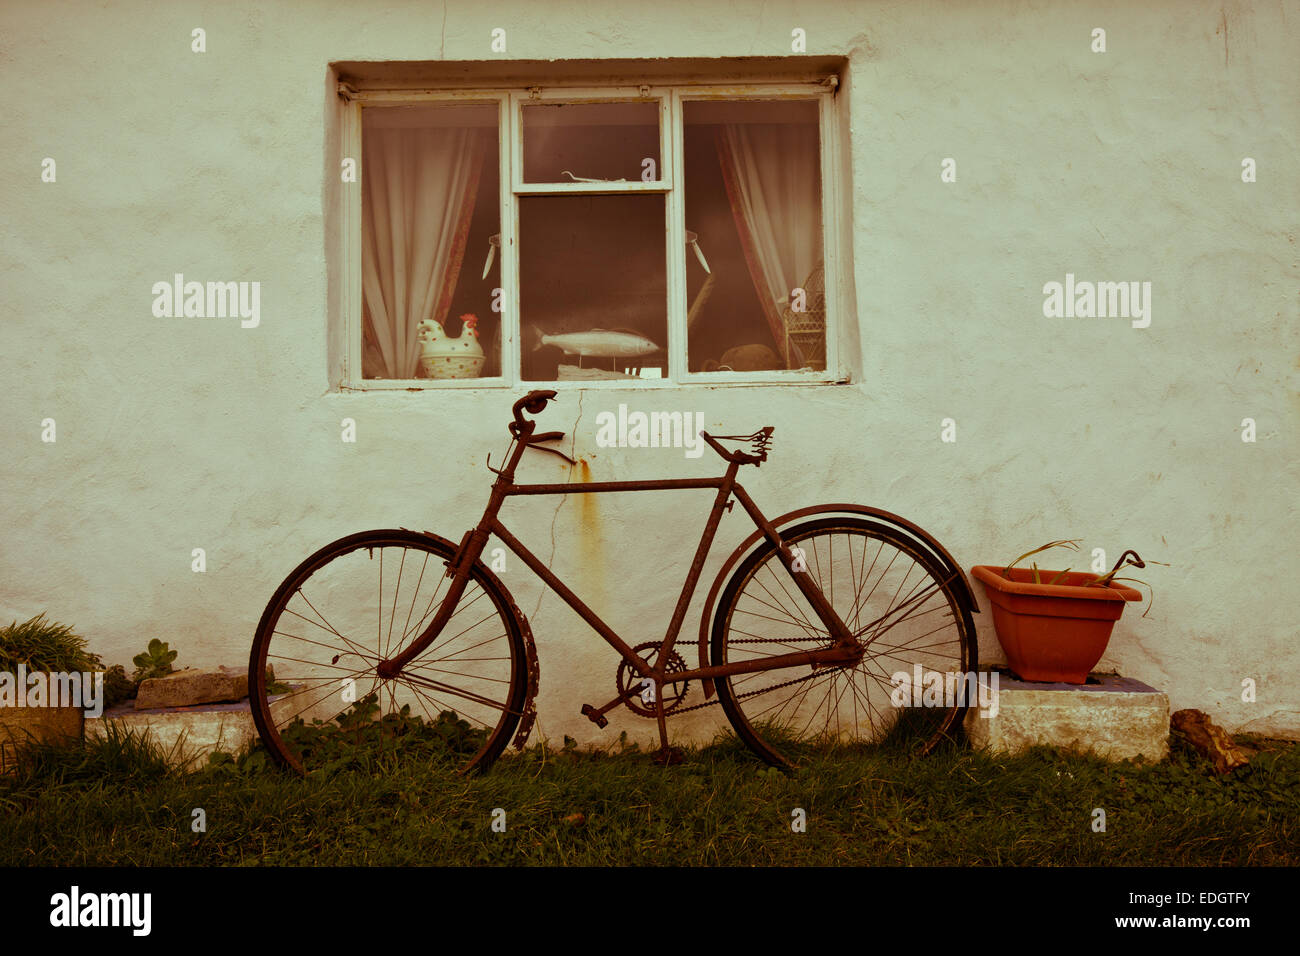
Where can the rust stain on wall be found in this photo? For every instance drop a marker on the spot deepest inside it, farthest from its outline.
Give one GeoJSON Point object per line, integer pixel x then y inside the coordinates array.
{"type": "Point", "coordinates": [590, 584]}
{"type": "Point", "coordinates": [590, 513]}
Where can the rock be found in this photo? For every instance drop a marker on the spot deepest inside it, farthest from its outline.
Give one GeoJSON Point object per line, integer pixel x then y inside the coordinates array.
{"type": "Point", "coordinates": [1209, 739]}
{"type": "Point", "coordinates": [193, 686]}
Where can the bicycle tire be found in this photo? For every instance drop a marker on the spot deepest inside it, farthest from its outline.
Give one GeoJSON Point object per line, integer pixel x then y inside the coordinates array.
{"type": "Point", "coordinates": [345, 727]}
{"type": "Point", "coordinates": [738, 626]}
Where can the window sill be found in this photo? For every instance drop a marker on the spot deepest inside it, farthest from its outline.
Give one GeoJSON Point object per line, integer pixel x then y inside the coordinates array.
{"type": "Point", "coordinates": [712, 380]}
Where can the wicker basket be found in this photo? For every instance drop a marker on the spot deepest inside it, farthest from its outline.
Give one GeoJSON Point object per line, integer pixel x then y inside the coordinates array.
{"type": "Point", "coordinates": [807, 329]}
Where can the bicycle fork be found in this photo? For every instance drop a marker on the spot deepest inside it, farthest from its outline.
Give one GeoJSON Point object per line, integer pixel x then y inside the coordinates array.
{"type": "Point", "coordinates": [471, 548]}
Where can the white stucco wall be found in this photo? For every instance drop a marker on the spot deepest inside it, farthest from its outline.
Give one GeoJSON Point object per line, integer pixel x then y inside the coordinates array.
{"type": "Point", "coordinates": [175, 434]}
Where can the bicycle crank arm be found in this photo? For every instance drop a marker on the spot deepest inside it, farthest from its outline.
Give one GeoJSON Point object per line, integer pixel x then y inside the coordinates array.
{"type": "Point", "coordinates": [597, 714]}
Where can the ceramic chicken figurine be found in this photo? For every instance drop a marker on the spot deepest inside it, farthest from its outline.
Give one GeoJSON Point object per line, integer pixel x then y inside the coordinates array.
{"type": "Point", "coordinates": [445, 357]}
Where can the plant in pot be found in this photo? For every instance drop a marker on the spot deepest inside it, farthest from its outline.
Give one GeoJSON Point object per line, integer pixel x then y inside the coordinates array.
{"type": "Point", "coordinates": [29, 700]}
{"type": "Point", "coordinates": [1054, 625]}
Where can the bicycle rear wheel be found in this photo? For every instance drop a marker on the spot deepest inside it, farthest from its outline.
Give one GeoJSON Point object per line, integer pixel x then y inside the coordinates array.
{"type": "Point", "coordinates": [315, 694]}
{"type": "Point", "coordinates": [895, 598]}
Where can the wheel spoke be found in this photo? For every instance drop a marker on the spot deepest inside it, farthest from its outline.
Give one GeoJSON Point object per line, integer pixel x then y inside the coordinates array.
{"type": "Point", "coordinates": [474, 675]}
{"type": "Point", "coordinates": [895, 599]}
{"type": "Point", "coordinates": [396, 591]}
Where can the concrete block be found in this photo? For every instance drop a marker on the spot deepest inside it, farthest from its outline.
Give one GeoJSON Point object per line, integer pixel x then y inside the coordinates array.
{"type": "Point", "coordinates": [1116, 717]}
{"type": "Point", "coordinates": [189, 734]}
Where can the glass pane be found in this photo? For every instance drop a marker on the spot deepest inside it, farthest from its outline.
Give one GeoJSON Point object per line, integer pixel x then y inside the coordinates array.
{"type": "Point", "coordinates": [593, 287]}
{"type": "Point", "coordinates": [430, 218]}
{"type": "Point", "coordinates": [753, 207]}
{"type": "Point", "coordinates": [570, 142]}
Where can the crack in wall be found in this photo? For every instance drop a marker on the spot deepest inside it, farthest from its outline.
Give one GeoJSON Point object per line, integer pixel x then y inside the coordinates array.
{"type": "Point", "coordinates": [573, 444]}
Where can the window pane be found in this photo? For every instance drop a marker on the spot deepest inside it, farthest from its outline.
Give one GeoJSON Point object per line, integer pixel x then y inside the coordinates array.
{"type": "Point", "coordinates": [592, 286]}
{"type": "Point", "coordinates": [607, 141]}
{"type": "Point", "coordinates": [753, 200]}
{"type": "Point", "coordinates": [430, 213]}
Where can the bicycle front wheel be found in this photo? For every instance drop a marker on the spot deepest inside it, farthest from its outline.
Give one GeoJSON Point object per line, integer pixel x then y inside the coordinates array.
{"type": "Point", "coordinates": [315, 694]}
{"type": "Point", "coordinates": [894, 597]}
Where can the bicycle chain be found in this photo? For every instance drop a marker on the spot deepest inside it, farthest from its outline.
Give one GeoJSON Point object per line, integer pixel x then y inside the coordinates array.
{"type": "Point", "coordinates": [752, 693]}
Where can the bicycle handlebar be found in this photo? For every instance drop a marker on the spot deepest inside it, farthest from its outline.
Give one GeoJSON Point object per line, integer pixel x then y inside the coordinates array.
{"type": "Point", "coordinates": [534, 403]}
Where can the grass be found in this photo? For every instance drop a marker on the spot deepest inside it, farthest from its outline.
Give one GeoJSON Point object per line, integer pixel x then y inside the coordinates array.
{"type": "Point", "coordinates": [41, 645]}
{"type": "Point", "coordinates": [115, 802]}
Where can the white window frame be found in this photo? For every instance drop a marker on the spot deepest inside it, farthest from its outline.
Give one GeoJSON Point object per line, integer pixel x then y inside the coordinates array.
{"type": "Point", "coordinates": [671, 183]}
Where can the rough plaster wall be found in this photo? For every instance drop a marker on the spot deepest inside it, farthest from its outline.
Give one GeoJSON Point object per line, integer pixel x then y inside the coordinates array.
{"type": "Point", "coordinates": [184, 433]}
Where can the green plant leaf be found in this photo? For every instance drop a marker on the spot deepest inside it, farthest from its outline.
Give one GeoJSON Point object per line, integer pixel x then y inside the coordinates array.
{"type": "Point", "coordinates": [1071, 543]}
{"type": "Point", "coordinates": [154, 662]}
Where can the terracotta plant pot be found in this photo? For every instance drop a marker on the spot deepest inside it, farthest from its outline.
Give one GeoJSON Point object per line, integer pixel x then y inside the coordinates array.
{"type": "Point", "coordinates": [1053, 632]}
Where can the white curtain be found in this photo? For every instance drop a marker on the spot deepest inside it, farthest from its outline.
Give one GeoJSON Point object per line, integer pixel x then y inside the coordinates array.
{"type": "Point", "coordinates": [419, 197]}
{"type": "Point", "coordinates": [773, 177]}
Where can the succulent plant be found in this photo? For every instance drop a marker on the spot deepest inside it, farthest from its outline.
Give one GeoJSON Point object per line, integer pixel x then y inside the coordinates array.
{"type": "Point", "coordinates": [154, 662]}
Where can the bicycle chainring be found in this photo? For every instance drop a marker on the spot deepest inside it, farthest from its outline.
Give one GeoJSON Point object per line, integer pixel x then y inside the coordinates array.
{"type": "Point", "coordinates": [629, 680]}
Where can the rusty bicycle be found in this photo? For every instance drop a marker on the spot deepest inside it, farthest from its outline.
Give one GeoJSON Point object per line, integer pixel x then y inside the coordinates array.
{"type": "Point", "coordinates": [397, 635]}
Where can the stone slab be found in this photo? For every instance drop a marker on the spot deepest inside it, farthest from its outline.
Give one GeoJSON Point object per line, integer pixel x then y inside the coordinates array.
{"type": "Point", "coordinates": [193, 686]}
{"type": "Point", "coordinates": [1118, 718]}
{"type": "Point", "coordinates": [187, 735]}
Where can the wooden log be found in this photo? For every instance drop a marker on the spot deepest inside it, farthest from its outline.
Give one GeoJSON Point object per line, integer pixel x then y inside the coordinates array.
{"type": "Point", "coordinates": [1209, 739]}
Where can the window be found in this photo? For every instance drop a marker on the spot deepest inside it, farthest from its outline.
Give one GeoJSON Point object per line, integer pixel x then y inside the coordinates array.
{"type": "Point", "coordinates": [662, 234]}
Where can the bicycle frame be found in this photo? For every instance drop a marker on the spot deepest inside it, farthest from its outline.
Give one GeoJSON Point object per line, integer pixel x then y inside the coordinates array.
{"type": "Point", "coordinates": [845, 649]}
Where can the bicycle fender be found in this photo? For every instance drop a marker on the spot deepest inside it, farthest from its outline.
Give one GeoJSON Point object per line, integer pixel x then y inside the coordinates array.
{"type": "Point", "coordinates": [529, 714]}
{"type": "Point", "coordinates": [923, 537]}
{"type": "Point", "coordinates": [534, 672]}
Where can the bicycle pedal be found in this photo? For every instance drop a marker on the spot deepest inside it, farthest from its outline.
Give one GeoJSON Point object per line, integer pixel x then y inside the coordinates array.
{"type": "Point", "coordinates": [597, 718]}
